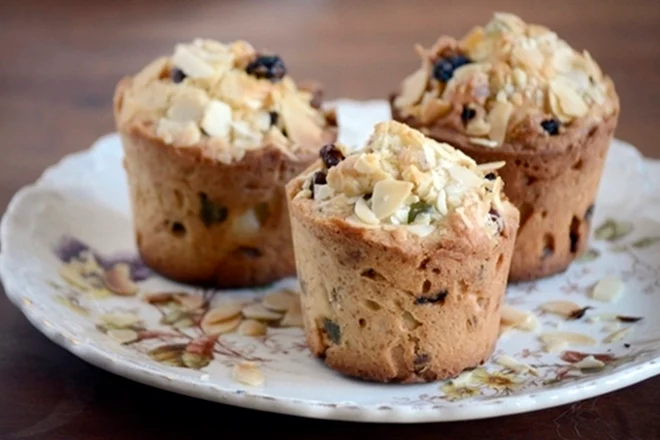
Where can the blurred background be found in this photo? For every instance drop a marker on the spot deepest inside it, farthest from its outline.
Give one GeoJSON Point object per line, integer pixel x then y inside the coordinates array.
{"type": "Point", "coordinates": [61, 59]}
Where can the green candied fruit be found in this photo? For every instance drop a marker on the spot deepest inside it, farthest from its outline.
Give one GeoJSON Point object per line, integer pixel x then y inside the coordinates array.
{"type": "Point", "coordinates": [416, 209]}
{"type": "Point", "coordinates": [332, 330]}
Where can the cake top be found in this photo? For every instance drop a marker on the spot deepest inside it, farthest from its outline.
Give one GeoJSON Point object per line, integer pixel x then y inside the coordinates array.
{"type": "Point", "coordinates": [402, 179]}
{"type": "Point", "coordinates": [505, 76]}
{"type": "Point", "coordinates": [225, 98]}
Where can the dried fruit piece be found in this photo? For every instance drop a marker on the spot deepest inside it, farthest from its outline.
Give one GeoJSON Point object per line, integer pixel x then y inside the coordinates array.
{"type": "Point", "coordinates": [608, 289]}
{"type": "Point", "coordinates": [617, 335]}
{"type": "Point", "coordinates": [123, 336]}
{"type": "Point", "coordinates": [280, 301]}
{"type": "Point", "coordinates": [260, 313]}
{"type": "Point", "coordinates": [467, 114]}
{"type": "Point", "coordinates": [578, 314]}
{"type": "Point", "coordinates": [443, 69]}
{"type": "Point", "coordinates": [331, 155]}
{"type": "Point", "coordinates": [551, 126]}
{"type": "Point", "coordinates": [118, 280]}
{"type": "Point", "coordinates": [248, 373]}
{"type": "Point", "coordinates": [628, 319]}
{"type": "Point", "coordinates": [518, 319]}
{"type": "Point", "coordinates": [437, 298]}
{"type": "Point", "coordinates": [210, 212]}
{"type": "Point", "coordinates": [388, 195]}
{"type": "Point", "coordinates": [251, 327]}
{"type": "Point", "coordinates": [514, 365]}
{"type": "Point", "coordinates": [269, 67]}
{"type": "Point", "coordinates": [416, 209]}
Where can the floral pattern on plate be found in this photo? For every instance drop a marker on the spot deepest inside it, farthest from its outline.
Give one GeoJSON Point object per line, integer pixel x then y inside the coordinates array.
{"type": "Point", "coordinates": [69, 263]}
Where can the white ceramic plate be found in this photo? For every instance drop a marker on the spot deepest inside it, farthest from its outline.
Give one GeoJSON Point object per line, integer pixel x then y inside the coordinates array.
{"type": "Point", "coordinates": [81, 203]}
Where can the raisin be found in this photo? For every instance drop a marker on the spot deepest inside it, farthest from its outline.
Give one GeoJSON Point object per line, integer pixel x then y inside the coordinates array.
{"type": "Point", "coordinates": [211, 212]}
{"type": "Point", "coordinates": [490, 176]}
{"type": "Point", "coordinates": [319, 178]}
{"type": "Point", "coordinates": [443, 69]}
{"type": "Point", "coordinates": [267, 67]}
{"type": "Point", "coordinates": [589, 212]}
{"type": "Point", "coordinates": [332, 330]}
{"type": "Point", "coordinates": [331, 155]}
{"type": "Point", "coordinates": [467, 114]}
{"type": "Point", "coordinates": [495, 217]}
{"type": "Point", "coordinates": [437, 298]}
{"type": "Point", "coordinates": [274, 117]}
{"type": "Point", "coordinates": [416, 209]}
{"type": "Point", "coordinates": [177, 75]}
{"type": "Point", "coordinates": [178, 229]}
{"type": "Point", "coordinates": [551, 126]}
{"type": "Point", "coordinates": [577, 314]}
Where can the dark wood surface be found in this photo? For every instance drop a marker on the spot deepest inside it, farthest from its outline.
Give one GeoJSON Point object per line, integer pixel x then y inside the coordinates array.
{"type": "Point", "coordinates": [59, 61]}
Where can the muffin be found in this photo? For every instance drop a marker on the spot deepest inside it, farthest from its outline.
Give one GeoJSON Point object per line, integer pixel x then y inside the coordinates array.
{"type": "Point", "coordinates": [403, 250]}
{"type": "Point", "coordinates": [211, 134]}
{"type": "Point", "coordinates": [515, 92]}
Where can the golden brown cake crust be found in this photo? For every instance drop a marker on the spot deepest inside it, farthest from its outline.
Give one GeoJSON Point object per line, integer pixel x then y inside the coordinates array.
{"type": "Point", "coordinates": [553, 182]}
{"type": "Point", "coordinates": [174, 189]}
{"type": "Point", "coordinates": [387, 307]}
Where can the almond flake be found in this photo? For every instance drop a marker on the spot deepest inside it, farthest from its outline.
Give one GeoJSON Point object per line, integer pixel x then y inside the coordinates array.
{"type": "Point", "coordinates": [217, 119]}
{"type": "Point", "coordinates": [279, 301]}
{"type": "Point", "coordinates": [589, 362]}
{"type": "Point", "coordinates": [180, 133]}
{"type": "Point", "coordinates": [123, 336]}
{"type": "Point", "coordinates": [498, 118]}
{"type": "Point", "coordinates": [251, 327]}
{"type": "Point", "coordinates": [364, 213]}
{"type": "Point", "coordinates": [617, 335]}
{"type": "Point", "coordinates": [514, 365]}
{"type": "Point", "coordinates": [608, 289]}
{"type": "Point", "coordinates": [554, 346]}
{"type": "Point", "coordinates": [477, 127]}
{"type": "Point", "coordinates": [73, 277]}
{"type": "Point", "coordinates": [220, 327]}
{"type": "Point", "coordinates": [260, 313]}
{"type": "Point", "coordinates": [293, 317]}
{"type": "Point", "coordinates": [421, 230]}
{"type": "Point", "coordinates": [118, 280]}
{"type": "Point", "coordinates": [491, 166]}
{"type": "Point", "coordinates": [611, 327]}
{"type": "Point", "coordinates": [568, 337]}
{"type": "Point", "coordinates": [433, 109]}
{"type": "Point", "coordinates": [518, 319]}
{"type": "Point", "coordinates": [223, 312]}
{"type": "Point", "coordinates": [189, 302]}
{"type": "Point", "coordinates": [569, 101]}
{"type": "Point", "coordinates": [248, 373]}
{"type": "Point", "coordinates": [119, 320]}
{"type": "Point", "coordinates": [190, 63]}
{"type": "Point", "coordinates": [561, 308]}
{"type": "Point", "coordinates": [388, 195]}
{"type": "Point", "coordinates": [483, 142]}
{"type": "Point", "coordinates": [188, 106]}
{"type": "Point", "coordinates": [412, 88]}
{"type": "Point", "coordinates": [298, 121]}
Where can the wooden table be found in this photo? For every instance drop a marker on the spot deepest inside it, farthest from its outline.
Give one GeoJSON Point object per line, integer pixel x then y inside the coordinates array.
{"type": "Point", "coordinates": [60, 61]}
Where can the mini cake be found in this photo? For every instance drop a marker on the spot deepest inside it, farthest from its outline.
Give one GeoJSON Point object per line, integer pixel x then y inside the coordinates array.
{"type": "Point", "coordinates": [211, 135]}
{"type": "Point", "coordinates": [402, 250]}
{"type": "Point", "coordinates": [515, 92]}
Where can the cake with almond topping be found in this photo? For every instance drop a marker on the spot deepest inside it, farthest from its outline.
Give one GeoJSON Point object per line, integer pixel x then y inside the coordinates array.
{"type": "Point", "coordinates": [211, 134]}
{"type": "Point", "coordinates": [516, 92]}
{"type": "Point", "coordinates": [402, 250]}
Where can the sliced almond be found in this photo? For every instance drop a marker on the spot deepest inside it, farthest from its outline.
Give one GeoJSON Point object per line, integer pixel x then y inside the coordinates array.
{"type": "Point", "coordinates": [280, 301]}
{"type": "Point", "coordinates": [570, 103]}
{"type": "Point", "coordinates": [434, 109]}
{"type": "Point", "coordinates": [504, 328]}
{"type": "Point", "coordinates": [260, 313]}
{"type": "Point", "coordinates": [561, 308]}
{"type": "Point", "coordinates": [251, 327]}
{"type": "Point", "coordinates": [364, 213]}
{"type": "Point", "coordinates": [514, 365]}
{"type": "Point", "coordinates": [518, 319]}
{"type": "Point", "coordinates": [554, 346]}
{"type": "Point", "coordinates": [421, 230]}
{"type": "Point", "coordinates": [483, 142]}
{"type": "Point", "coordinates": [190, 63]}
{"type": "Point", "coordinates": [589, 362]}
{"type": "Point", "coordinates": [608, 289]}
{"type": "Point", "coordinates": [248, 373]}
{"type": "Point", "coordinates": [293, 317]}
{"type": "Point", "coordinates": [412, 88]}
{"type": "Point", "coordinates": [189, 302]}
{"type": "Point", "coordinates": [388, 196]}
{"type": "Point", "coordinates": [119, 320]}
{"type": "Point", "coordinates": [217, 119]}
{"type": "Point", "coordinates": [179, 133]}
{"type": "Point", "coordinates": [74, 278]}
{"type": "Point", "coordinates": [298, 120]}
{"type": "Point", "coordinates": [223, 312]}
{"type": "Point", "coordinates": [123, 336]}
{"type": "Point", "coordinates": [568, 337]}
{"type": "Point", "coordinates": [118, 280]}
{"type": "Point", "coordinates": [498, 118]}
{"type": "Point", "coordinates": [617, 335]}
{"type": "Point", "coordinates": [491, 166]}
{"type": "Point", "coordinates": [220, 327]}
{"type": "Point", "coordinates": [477, 127]}
{"type": "Point", "coordinates": [611, 327]}
{"type": "Point", "coordinates": [188, 106]}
